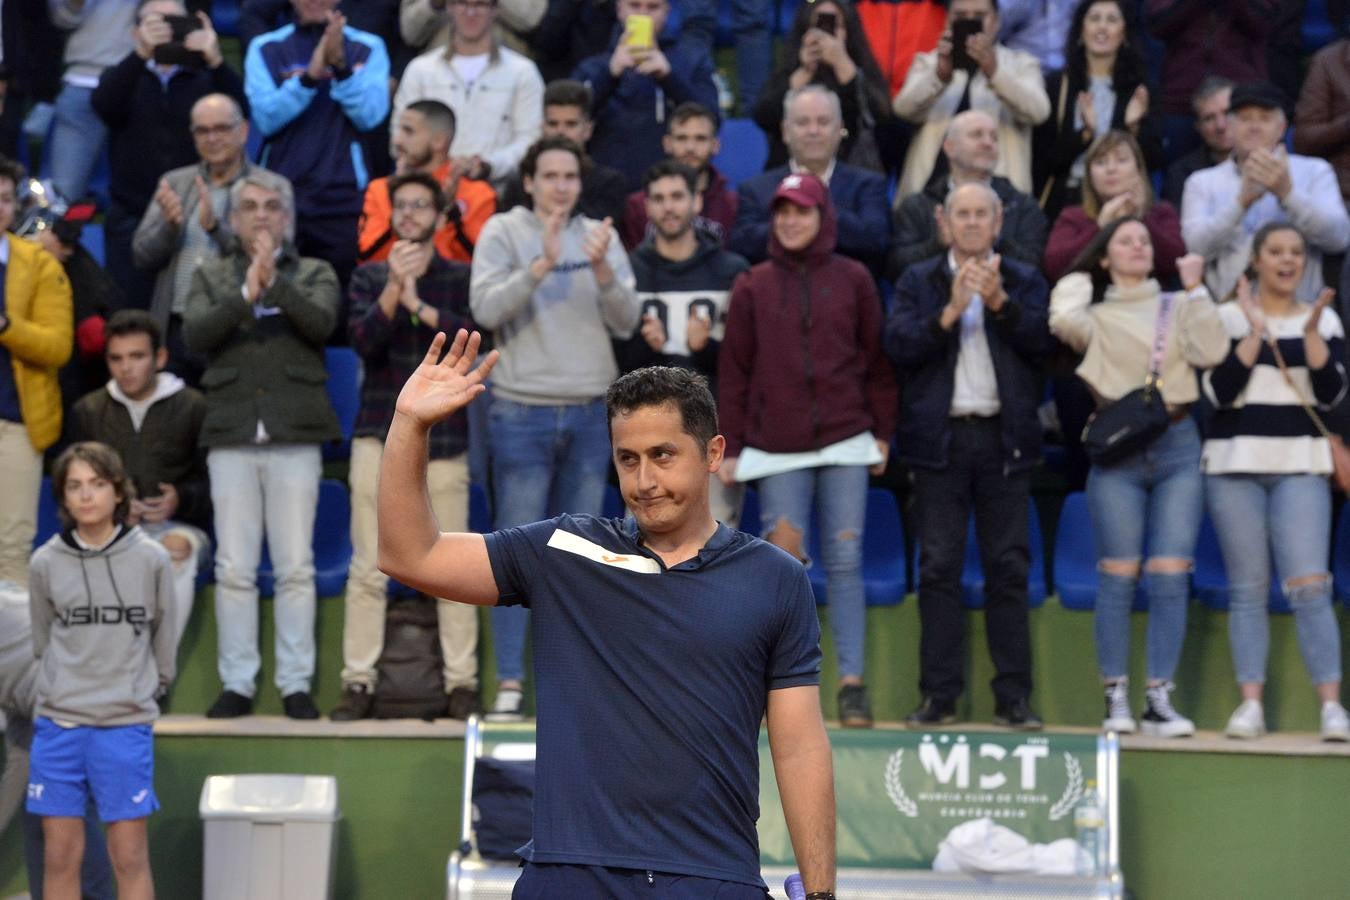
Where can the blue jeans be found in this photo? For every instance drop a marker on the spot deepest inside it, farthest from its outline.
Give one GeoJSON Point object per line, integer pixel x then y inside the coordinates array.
{"type": "Point", "coordinates": [77, 140]}
{"type": "Point", "coordinates": [750, 22]}
{"type": "Point", "coordinates": [839, 494]}
{"type": "Point", "coordinates": [1290, 516]}
{"type": "Point", "coordinates": [546, 460]}
{"type": "Point", "coordinates": [271, 489]}
{"type": "Point", "coordinates": [1153, 499]}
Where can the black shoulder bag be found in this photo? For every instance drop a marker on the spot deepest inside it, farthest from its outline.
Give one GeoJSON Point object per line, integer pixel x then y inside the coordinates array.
{"type": "Point", "coordinates": [1140, 417]}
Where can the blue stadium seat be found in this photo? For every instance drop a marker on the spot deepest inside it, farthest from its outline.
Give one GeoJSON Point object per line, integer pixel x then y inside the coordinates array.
{"type": "Point", "coordinates": [91, 236]}
{"type": "Point", "coordinates": [1210, 582]}
{"type": "Point", "coordinates": [1076, 558]}
{"type": "Point", "coordinates": [1340, 556]}
{"type": "Point", "coordinates": [972, 577]}
{"type": "Point", "coordinates": [48, 522]}
{"type": "Point", "coordinates": [332, 543]}
{"type": "Point", "coordinates": [883, 553]}
{"type": "Point", "coordinates": [225, 17]}
{"type": "Point", "coordinates": [344, 392]}
{"type": "Point", "coordinates": [744, 150]}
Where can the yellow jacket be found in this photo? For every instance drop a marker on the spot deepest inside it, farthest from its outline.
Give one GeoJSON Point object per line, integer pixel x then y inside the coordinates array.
{"type": "Point", "coordinates": [38, 335]}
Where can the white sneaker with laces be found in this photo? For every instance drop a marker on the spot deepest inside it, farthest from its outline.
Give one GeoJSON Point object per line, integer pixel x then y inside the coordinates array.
{"type": "Point", "coordinates": [1247, 721]}
{"type": "Point", "coordinates": [1335, 722]}
{"type": "Point", "coordinates": [1159, 718]}
{"type": "Point", "coordinates": [506, 708]}
{"type": "Point", "coordinates": [1118, 716]}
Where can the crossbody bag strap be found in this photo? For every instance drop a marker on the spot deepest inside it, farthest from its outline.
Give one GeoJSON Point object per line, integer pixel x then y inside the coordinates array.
{"type": "Point", "coordinates": [1303, 401]}
{"type": "Point", "coordinates": [1166, 302]}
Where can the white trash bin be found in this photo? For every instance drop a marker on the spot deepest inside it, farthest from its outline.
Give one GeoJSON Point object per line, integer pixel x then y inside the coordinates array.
{"type": "Point", "coordinates": [269, 837]}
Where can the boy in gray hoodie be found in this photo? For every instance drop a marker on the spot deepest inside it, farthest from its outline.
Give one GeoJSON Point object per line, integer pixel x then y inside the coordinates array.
{"type": "Point", "coordinates": [101, 596]}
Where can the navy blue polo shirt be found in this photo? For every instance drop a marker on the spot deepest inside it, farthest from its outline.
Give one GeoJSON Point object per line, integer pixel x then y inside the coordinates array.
{"type": "Point", "coordinates": [651, 684]}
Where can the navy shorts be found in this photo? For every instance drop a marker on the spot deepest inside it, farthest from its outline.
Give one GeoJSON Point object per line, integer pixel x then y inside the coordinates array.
{"type": "Point", "coordinates": [549, 881]}
{"type": "Point", "coordinates": [115, 765]}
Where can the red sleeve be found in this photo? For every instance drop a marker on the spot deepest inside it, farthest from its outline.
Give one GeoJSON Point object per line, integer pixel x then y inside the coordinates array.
{"type": "Point", "coordinates": [633, 228]}
{"type": "Point", "coordinates": [89, 336]}
{"type": "Point", "coordinates": [1164, 228]}
{"type": "Point", "coordinates": [1072, 233]}
{"type": "Point", "coordinates": [735, 364]}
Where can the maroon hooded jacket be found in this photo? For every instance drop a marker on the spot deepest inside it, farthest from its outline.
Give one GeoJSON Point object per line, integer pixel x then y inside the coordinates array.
{"type": "Point", "coordinates": [802, 365]}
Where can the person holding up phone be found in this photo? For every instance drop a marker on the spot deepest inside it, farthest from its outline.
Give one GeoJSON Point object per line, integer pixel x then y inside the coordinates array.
{"type": "Point", "coordinates": [970, 70]}
{"type": "Point", "coordinates": [637, 83]}
{"type": "Point", "coordinates": [146, 102]}
{"type": "Point", "coordinates": [827, 46]}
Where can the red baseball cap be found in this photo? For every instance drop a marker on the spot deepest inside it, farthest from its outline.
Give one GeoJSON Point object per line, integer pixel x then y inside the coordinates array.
{"type": "Point", "coordinates": [801, 189]}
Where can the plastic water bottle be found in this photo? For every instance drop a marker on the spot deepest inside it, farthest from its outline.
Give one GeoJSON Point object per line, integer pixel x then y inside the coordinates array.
{"type": "Point", "coordinates": [794, 887]}
{"type": "Point", "coordinates": [1089, 820]}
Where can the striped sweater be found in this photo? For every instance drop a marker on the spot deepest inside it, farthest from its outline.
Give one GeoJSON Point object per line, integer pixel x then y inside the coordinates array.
{"type": "Point", "coordinates": [1260, 426]}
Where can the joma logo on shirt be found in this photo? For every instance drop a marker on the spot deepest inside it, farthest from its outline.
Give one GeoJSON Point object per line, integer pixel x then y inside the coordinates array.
{"type": "Point", "coordinates": [105, 615]}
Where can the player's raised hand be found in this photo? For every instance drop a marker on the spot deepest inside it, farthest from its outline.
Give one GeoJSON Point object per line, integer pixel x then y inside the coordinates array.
{"type": "Point", "coordinates": [441, 387]}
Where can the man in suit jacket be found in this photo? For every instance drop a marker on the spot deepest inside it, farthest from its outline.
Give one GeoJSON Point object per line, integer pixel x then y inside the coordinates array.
{"type": "Point", "coordinates": [813, 127]}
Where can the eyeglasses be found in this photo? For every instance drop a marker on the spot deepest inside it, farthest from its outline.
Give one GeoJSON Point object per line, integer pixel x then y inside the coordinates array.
{"type": "Point", "coordinates": [201, 131]}
{"type": "Point", "coordinates": [412, 205]}
{"type": "Point", "coordinates": [271, 207]}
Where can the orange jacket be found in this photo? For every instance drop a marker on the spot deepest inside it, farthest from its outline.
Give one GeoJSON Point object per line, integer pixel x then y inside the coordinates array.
{"type": "Point", "coordinates": [474, 204]}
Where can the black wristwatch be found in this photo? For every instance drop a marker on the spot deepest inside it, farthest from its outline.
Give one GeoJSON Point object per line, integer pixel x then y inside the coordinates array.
{"type": "Point", "coordinates": [820, 895]}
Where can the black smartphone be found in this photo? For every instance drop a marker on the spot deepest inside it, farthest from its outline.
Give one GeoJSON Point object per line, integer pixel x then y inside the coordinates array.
{"type": "Point", "coordinates": [962, 29]}
{"type": "Point", "coordinates": [827, 22]}
{"type": "Point", "coordinates": [174, 53]}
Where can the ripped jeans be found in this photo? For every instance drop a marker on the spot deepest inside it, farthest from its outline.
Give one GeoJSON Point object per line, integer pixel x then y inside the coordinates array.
{"type": "Point", "coordinates": [839, 496]}
{"type": "Point", "coordinates": [1289, 516]}
{"type": "Point", "coordinates": [1153, 499]}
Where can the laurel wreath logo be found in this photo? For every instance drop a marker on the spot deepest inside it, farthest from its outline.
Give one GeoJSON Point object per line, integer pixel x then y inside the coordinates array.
{"type": "Point", "coordinates": [1072, 791]}
{"type": "Point", "coordinates": [895, 790]}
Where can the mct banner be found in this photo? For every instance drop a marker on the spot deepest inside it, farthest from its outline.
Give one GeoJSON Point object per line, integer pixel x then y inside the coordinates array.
{"type": "Point", "coordinates": [899, 793]}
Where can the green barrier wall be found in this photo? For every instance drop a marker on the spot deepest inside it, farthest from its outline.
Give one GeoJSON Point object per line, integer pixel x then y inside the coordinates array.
{"type": "Point", "coordinates": [1193, 824]}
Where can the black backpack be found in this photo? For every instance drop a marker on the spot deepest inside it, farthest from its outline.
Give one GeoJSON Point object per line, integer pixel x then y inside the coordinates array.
{"type": "Point", "coordinates": [409, 683]}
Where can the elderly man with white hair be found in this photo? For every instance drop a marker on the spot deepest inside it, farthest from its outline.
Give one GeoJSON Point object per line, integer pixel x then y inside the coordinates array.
{"type": "Point", "coordinates": [972, 149]}
{"type": "Point", "coordinates": [967, 332]}
{"type": "Point", "coordinates": [261, 316]}
{"type": "Point", "coordinates": [813, 127]}
{"type": "Point", "coordinates": [1222, 207]}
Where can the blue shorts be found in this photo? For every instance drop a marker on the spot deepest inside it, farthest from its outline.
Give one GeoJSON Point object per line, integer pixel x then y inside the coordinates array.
{"type": "Point", "coordinates": [548, 881]}
{"type": "Point", "coordinates": [116, 765]}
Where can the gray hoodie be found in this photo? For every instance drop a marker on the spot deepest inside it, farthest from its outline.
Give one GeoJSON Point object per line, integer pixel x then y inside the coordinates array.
{"type": "Point", "coordinates": [102, 628]}
{"type": "Point", "coordinates": [553, 335]}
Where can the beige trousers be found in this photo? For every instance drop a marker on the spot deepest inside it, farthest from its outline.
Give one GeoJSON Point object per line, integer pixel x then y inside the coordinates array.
{"type": "Point", "coordinates": [363, 630]}
{"type": "Point", "coordinates": [20, 484]}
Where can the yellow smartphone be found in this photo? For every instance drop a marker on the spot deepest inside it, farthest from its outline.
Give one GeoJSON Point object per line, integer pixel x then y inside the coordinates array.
{"type": "Point", "coordinates": [637, 31]}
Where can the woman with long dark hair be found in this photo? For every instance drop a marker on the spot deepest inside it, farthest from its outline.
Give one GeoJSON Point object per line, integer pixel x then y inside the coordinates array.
{"type": "Point", "coordinates": [827, 46]}
{"type": "Point", "coordinates": [1111, 309]}
{"type": "Point", "coordinates": [1266, 463]}
{"type": "Point", "coordinates": [1102, 88]}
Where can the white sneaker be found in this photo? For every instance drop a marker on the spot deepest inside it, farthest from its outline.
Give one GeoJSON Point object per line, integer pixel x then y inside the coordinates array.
{"type": "Point", "coordinates": [1247, 721]}
{"type": "Point", "coordinates": [1118, 716]}
{"type": "Point", "coordinates": [506, 708]}
{"type": "Point", "coordinates": [1159, 718]}
{"type": "Point", "coordinates": [1335, 722]}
